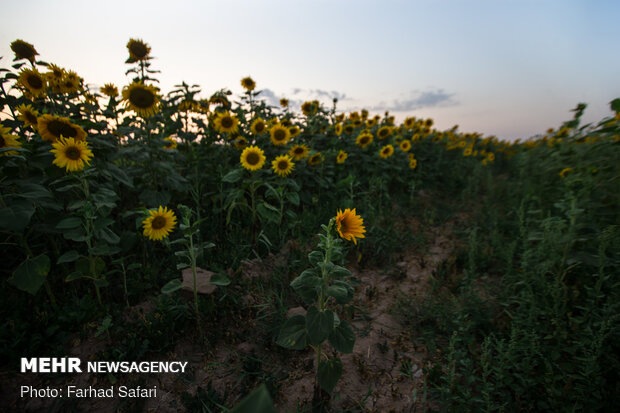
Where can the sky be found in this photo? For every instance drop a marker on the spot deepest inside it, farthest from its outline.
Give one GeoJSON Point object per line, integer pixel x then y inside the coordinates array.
{"type": "Point", "coordinates": [509, 68]}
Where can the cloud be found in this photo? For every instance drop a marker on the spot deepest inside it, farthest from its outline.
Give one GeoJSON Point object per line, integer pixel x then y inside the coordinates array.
{"type": "Point", "coordinates": [418, 100]}
{"type": "Point", "coordinates": [270, 97]}
{"type": "Point", "coordinates": [301, 95]}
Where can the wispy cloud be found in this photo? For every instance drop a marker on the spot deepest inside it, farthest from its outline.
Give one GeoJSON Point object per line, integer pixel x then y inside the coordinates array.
{"type": "Point", "coordinates": [298, 96]}
{"type": "Point", "coordinates": [418, 100]}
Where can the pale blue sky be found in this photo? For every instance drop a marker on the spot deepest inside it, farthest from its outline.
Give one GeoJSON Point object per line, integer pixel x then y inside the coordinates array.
{"type": "Point", "coordinates": [503, 67]}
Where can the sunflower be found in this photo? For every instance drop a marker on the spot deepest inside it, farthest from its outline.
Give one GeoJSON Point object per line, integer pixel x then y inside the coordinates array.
{"type": "Point", "coordinates": [405, 145]}
{"type": "Point", "coordinates": [348, 128]}
{"type": "Point", "coordinates": [294, 130]}
{"type": "Point", "coordinates": [109, 90]}
{"type": "Point", "coordinates": [23, 50]}
{"type": "Point", "coordinates": [248, 83]}
{"type": "Point", "coordinates": [258, 126]}
{"type": "Point", "coordinates": [310, 108]}
{"type": "Point", "coordinates": [70, 83]}
{"type": "Point", "coordinates": [298, 152]}
{"type": "Point", "coordinates": [338, 129]}
{"type": "Point", "coordinates": [279, 134]}
{"type": "Point", "coordinates": [386, 151]}
{"type": "Point", "coordinates": [186, 105]}
{"type": "Point", "coordinates": [349, 225]}
{"type": "Point", "coordinates": [54, 77]}
{"type": "Point", "coordinates": [33, 81]}
{"type": "Point", "coordinates": [225, 122]}
{"type": "Point", "coordinates": [413, 163]}
{"type": "Point", "coordinates": [364, 139]}
{"type": "Point", "coordinates": [315, 159]}
{"type": "Point", "coordinates": [409, 123]}
{"type": "Point", "coordinates": [8, 141]}
{"type": "Point", "coordinates": [364, 114]}
{"type": "Point", "coordinates": [141, 98]}
{"type": "Point", "coordinates": [219, 99]}
{"type": "Point", "coordinates": [252, 158]}
{"type": "Point", "coordinates": [71, 154]}
{"type": "Point", "coordinates": [51, 128]}
{"type": "Point", "coordinates": [284, 102]}
{"type": "Point", "coordinates": [384, 132]}
{"type": "Point", "coordinates": [159, 224]}
{"type": "Point", "coordinates": [240, 142]}
{"type": "Point", "coordinates": [172, 144]}
{"type": "Point", "coordinates": [565, 172]}
{"type": "Point", "coordinates": [468, 151]}
{"type": "Point", "coordinates": [138, 50]}
{"type": "Point", "coordinates": [28, 115]}
{"type": "Point", "coordinates": [491, 156]}
{"type": "Point", "coordinates": [283, 165]}
{"type": "Point", "coordinates": [342, 156]}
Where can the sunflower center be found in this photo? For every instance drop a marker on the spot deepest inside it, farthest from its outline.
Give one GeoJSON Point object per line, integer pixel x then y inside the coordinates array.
{"type": "Point", "coordinates": [58, 128]}
{"type": "Point", "coordinates": [279, 135]}
{"type": "Point", "coordinates": [141, 98]}
{"type": "Point", "coordinates": [283, 165]}
{"type": "Point", "coordinates": [158, 222]}
{"type": "Point", "coordinates": [23, 51]}
{"type": "Point", "coordinates": [138, 49]}
{"type": "Point", "coordinates": [252, 158]}
{"type": "Point", "coordinates": [260, 126]}
{"type": "Point", "coordinates": [227, 122]}
{"type": "Point", "coordinates": [31, 117]}
{"type": "Point", "coordinates": [74, 153]}
{"type": "Point", "coordinates": [364, 140]}
{"type": "Point", "coordinates": [344, 227]}
{"type": "Point", "coordinates": [298, 151]}
{"type": "Point", "coordinates": [35, 81]}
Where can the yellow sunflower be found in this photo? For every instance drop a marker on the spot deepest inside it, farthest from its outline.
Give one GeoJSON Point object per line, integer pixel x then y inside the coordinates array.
{"type": "Point", "coordinates": [8, 141]}
{"type": "Point", "coordinates": [28, 115]}
{"type": "Point", "coordinates": [279, 134]}
{"type": "Point", "coordinates": [338, 129]}
{"type": "Point", "coordinates": [284, 102]}
{"type": "Point", "coordinates": [33, 81]}
{"type": "Point", "coordinates": [315, 159]}
{"type": "Point", "coordinates": [413, 163]}
{"type": "Point", "coordinates": [342, 156]}
{"type": "Point", "coordinates": [405, 145]}
{"type": "Point", "coordinates": [141, 98]}
{"type": "Point", "coordinates": [258, 126]}
{"type": "Point", "coordinates": [109, 90]}
{"type": "Point", "coordinates": [282, 165]}
{"type": "Point", "coordinates": [159, 224]}
{"type": "Point", "coordinates": [364, 139]}
{"type": "Point", "coordinates": [71, 154]}
{"type": "Point", "coordinates": [54, 77]}
{"type": "Point", "coordinates": [138, 50]}
{"type": "Point", "coordinates": [248, 83]}
{"type": "Point", "coordinates": [70, 83]}
{"type": "Point", "coordinates": [294, 131]}
{"type": "Point", "coordinates": [409, 122]}
{"type": "Point", "coordinates": [386, 151]}
{"type": "Point", "coordinates": [349, 225]}
{"type": "Point", "coordinates": [565, 172]}
{"type": "Point", "coordinates": [299, 152]}
{"type": "Point", "coordinates": [171, 143]}
{"type": "Point", "coordinates": [51, 128]}
{"type": "Point", "coordinates": [364, 114]}
{"type": "Point", "coordinates": [310, 108]}
{"type": "Point", "coordinates": [348, 128]}
{"type": "Point", "coordinates": [23, 50]}
{"type": "Point", "coordinates": [225, 122]}
{"type": "Point", "coordinates": [252, 158]}
{"type": "Point", "coordinates": [371, 122]}
{"type": "Point", "coordinates": [240, 142]}
{"type": "Point", "coordinates": [384, 132]}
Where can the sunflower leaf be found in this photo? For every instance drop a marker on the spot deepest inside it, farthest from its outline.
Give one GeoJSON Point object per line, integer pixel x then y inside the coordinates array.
{"type": "Point", "coordinates": [293, 333]}
{"type": "Point", "coordinates": [319, 324]}
{"type": "Point", "coordinates": [68, 256]}
{"type": "Point", "coordinates": [342, 338]}
{"type": "Point", "coordinates": [30, 275]}
{"type": "Point", "coordinates": [233, 176]}
{"type": "Point", "coordinates": [329, 373]}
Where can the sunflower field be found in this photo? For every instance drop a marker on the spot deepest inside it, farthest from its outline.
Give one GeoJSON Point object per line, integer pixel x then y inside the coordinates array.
{"type": "Point", "coordinates": [300, 259]}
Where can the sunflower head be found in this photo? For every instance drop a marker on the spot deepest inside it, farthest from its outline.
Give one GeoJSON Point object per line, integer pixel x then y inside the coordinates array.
{"type": "Point", "coordinates": [52, 128]}
{"type": "Point", "coordinates": [258, 127]}
{"type": "Point", "coordinates": [28, 115]}
{"type": "Point", "coordinates": [71, 154]}
{"type": "Point", "coordinates": [225, 122]}
{"type": "Point", "coordinates": [386, 151]}
{"type": "Point", "coordinates": [240, 142]}
{"type": "Point", "coordinates": [384, 132]}
{"type": "Point", "coordinates": [342, 156]}
{"type": "Point", "coordinates": [338, 129]}
{"type": "Point", "coordinates": [23, 50]}
{"type": "Point", "coordinates": [294, 130]}
{"type": "Point", "coordinates": [284, 102]}
{"type": "Point", "coordinates": [170, 143]}
{"type": "Point", "coordinates": [142, 99]}
{"type": "Point", "coordinates": [138, 50]}
{"type": "Point", "coordinates": [564, 172]}
{"type": "Point", "coordinates": [348, 128]}
{"type": "Point", "coordinates": [70, 83]}
{"type": "Point", "coordinates": [315, 159]}
{"type": "Point", "coordinates": [8, 141]}
{"type": "Point", "coordinates": [282, 165]}
{"type": "Point", "coordinates": [349, 225]}
{"type": "Point", "coordinates": [413, 163]}
{"type": "Point", "coordinates": [248, 83]}
{"type": "Point", "coordinates": [159, 223]}
{"type": "Point", "coordinates": [298, 152]}
{"type": "Point", "coordinates": [409, 122]}
{"type": "Point", "coordinates": [364, 139]}
{"type": "Point", "coordinates": [33, 81]}
{"type": "Point", "coordinates": [252, 158]}
{"type": "Point", "coordinates": [405, 145]}
{"type": "Point", "coordinates": [279, 134]}
{"type": "Point", "coordinates": [109, 90]}
{"type": "Point", "coordinates": [309, 108]}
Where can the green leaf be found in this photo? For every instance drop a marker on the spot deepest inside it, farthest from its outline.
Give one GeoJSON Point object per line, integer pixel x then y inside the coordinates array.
{"type": "Point", "coordinates": [306, 285]}
{"type": "Point", "coordinates": [69, 223]}
{"type": "Point", "coordinates": [342, 337]}
{"type": "Point", "coordinates": [74, 276]}
{"type": "Point", "coordinates": [319, 324]}
{"type": "Point", "coordinates": [34, 191]}
{"type": "Point", "coordinates": [219, 279]}
{"type": "Point", "coordinates": [339, 272]}
{"type": "Point", "coordinates": [16, 216]}
{"type": "Point", "coordinates": [268, 212]}
{"type": "Point", "coordinates": [615, 105]}
{"type": "Point", "coordinates": [293, 333]}
{"type": "Point", "coordinates": [259, 401]}
{"type": "Point", "coordinates": [315, 257]}
{"type": "Point", "coordinates": [83, 266]}
{"type": "Point", "coordinates": [68, 256]}
{"type": "Point", "coordinates": [172, 286]}
{"type": "Point", "coordinates": [329, 373]}
{"type": "Point", "coordinates": [293, 198]}
{"type": "Point", "coordinates": [30, 275]}
{"type": "Point", "coordinates": [335, 290]}
{"type": "Point", "coordinates": [233, 176]}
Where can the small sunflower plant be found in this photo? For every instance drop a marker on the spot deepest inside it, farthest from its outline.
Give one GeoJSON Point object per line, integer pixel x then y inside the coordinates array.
{"type": "Point", "coordinates": [323, 287]}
